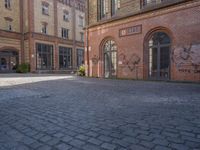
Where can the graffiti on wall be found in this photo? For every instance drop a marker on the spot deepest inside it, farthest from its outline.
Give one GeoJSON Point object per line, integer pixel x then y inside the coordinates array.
{"type": "Point", "coordinates": [131, 63]}
{"type": "Point", "coordinates": [187, 58]}
{"type": "Point", "coordinates": [95, 59]}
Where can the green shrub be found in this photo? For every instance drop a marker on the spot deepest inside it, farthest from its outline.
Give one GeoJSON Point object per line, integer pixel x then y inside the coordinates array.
{"type": "Point", "coordinates": [23, 68]}
{"type": "Point", "coordinates": [81, 70]}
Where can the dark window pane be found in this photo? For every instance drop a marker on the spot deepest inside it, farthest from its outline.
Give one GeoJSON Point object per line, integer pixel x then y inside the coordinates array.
{"type": "Point", "coordinates": [80, 57]}
{"type": "Point", "coordinates": [65, 57]}
{"type": "Point", "coordinates": [44, 56]}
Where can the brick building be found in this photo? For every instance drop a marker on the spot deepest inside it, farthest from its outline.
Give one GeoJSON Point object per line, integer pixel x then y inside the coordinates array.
{"type": "Point", "coordinates": [47, 34]}
{"type": "Point", "coordinates": [143, 39]}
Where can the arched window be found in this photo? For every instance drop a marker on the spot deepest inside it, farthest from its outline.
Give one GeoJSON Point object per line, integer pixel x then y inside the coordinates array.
{"type": "Point", "coordinates": [110, 59]}
{"type": "Point", "coordinates": [159, 56]}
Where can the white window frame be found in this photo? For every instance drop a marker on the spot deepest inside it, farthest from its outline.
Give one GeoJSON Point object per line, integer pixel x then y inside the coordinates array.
{"type": "Point", "coordinates": [44, 28]}
{"type": "Point", "coordinates": [65, 33]}
{"type": "Point", "coordinates": [66, 16]}
{"type": "Point", "coordinates": [45, 9]}
{"type": "Point", "coordinates": [81, 21]}
{"type": "Point", "coordinates": [8, 4]}
{"type": "Point", "coordinates": [82, 36]}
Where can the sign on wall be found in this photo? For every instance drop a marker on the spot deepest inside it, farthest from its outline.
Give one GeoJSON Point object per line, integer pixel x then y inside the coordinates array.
{"type": "Point", "coordinates": [130, 30]}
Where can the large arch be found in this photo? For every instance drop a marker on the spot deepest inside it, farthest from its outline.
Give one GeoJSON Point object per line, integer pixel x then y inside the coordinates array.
{"type": "Point", "coordinates": [9, 59]}
{"type": "Point", "coordinates": [108, 56]}
{"type": "Point", "coordinates": [158, 55]}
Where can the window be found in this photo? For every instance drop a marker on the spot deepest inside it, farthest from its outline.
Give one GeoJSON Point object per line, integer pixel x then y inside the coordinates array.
{"type": "Point", "coordinates": [67, 2]}
{"type": "Point", "coordinates": [44, 57]}
{"type": "Point", "coordinates": [159, 56]}
{"type": "Point", "coordinates": [110, 59]}
{"type": "Point", "coordinates": [9, 26]}
{"type": "Point", "coordinates": [8, 60]}
{"type": "Point", "coordinates": [65, 57]}
{"type": "Point", "coordinates": [80, 57]}
{"type": "Point", "coordinates": [103, 8]}
{"type": "Point", "coordinates": [151, 2]}
{"type": "Point", "coordinates": [115, 5]}
{"type": "Point", "coordinates": [8, 4]}
{"type": "Point", "coordinates": [81, 22]}
{"type": "Point", "coordinates": [45, 8]}
{"type": "Point", "coordinates": [44, 28]}
{"type": "Point", "coordinates": [82, 36]}
{"type": "Point", "coordinates": [65, 33]}
{"type": "Point", "coordinates": [8, 23]}
{"type": "Point", "coordinates": [65, 15]}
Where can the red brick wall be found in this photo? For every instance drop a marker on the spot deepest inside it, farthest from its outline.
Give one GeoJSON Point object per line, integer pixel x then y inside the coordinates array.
{"type": "Point", "coordinates": [181, 23]}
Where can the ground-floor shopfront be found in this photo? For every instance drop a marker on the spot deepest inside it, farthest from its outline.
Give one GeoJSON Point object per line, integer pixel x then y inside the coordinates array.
{"type": "Point", "coordinates": [164, 45]}
{"type": "Point", "coordinates": [43, 53]}
{"type": "Point", "coordinates": [8, 60]}
{"type": "Point", "coordinates": [60, 57]}
{"type": "Point", "coordinates": [10, 51]}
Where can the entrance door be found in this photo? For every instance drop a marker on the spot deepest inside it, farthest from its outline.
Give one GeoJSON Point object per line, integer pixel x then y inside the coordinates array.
{"type": "Point", "coordinates": [110, 59]}
{"type": "Point", "coordinates": [159, 56]}
{"type": "Point", "coordinates": [8, 61]}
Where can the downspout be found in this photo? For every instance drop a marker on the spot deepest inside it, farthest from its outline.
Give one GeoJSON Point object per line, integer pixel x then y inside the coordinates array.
{"type": "Point", "coordinates": [87, 52]}
{"type": "Point", "coordinates": [87, 40]}
{"type": "Point", "coordinates": [74, 35]}
{"type": "Point", "coordinates": [22, 31]}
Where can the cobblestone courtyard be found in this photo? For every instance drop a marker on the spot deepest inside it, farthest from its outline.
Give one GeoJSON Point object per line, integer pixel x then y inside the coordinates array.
{"type": "Point", "coordinates": [58, 112]}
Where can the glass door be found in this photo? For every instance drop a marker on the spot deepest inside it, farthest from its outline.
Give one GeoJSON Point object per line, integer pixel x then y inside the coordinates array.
{"type": "Point", "coordinates": [159, 56]}
{"type": "Point", "coordinates": [110, 59]}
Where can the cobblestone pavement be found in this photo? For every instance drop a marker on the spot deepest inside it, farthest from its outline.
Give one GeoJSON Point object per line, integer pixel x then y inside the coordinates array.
{"type": "Point", "coordinates": [95, 114]}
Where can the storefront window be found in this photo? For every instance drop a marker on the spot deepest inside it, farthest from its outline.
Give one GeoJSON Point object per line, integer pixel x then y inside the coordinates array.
{"type": "Point", "coordinates": [44, 56]}
{"type": "Point", "coordinates": [8, 61]}
{"type": "Point", "coordinates": [65, 57]}
{"type": "Point", "coordinates": [80, 57]}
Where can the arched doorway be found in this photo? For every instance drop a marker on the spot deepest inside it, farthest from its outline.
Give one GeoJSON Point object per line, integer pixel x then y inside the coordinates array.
{"type": "Point", "coordinates": [110, 59]}
{"type": "Point", "coordinates": [8, 61]}
{"type": "Point", "coordinates": [159, 56]}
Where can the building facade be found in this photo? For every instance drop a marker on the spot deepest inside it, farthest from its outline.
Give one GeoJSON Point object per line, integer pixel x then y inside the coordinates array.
{"type": "Point", "coordinates": [143, 39]}
{"type": "Point", "coordinates": [47, 34]}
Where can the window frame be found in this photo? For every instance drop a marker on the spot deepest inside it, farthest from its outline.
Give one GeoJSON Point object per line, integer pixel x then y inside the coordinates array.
{"type": "Point", "coordinates": [66, 16]}
{"type": "Point", "coordinates": [145, 3]}
{"type": "Point", "coordinates": [8, 21]}
{"type": "Point", "coordinates": [7, 4]}
{"type": "Point", "coordinates": [64, 33]}
{"type": "Point", "coordinates": [115, 6]}
{"type": "Point", "coordinates": [44, 29]}
{"type": "Point", "coordinates": [81, 21]}
{"type": "Point", "coordinates": [80, 56]}
{"type": "Point", "coordinates": [82, 36]}
{"type": "Point", "coordinates": [46, 54]}
{"type": "Point", "coordinates": [102, 9]}
{"type": "Point", "coordinates": [45, 8]}
{"type": "Point", "coordinates": [67, 53]}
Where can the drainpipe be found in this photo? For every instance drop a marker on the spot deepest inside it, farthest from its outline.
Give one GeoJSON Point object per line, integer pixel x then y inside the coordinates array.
{"type": "Point", "coordinates": [22, 31]}
{"type": "Point", "coordinates": [74, 35]}
{"type": "Point", "coordinates": [87, 40]}
{"type": "Point", "coordinates": [87, 52]}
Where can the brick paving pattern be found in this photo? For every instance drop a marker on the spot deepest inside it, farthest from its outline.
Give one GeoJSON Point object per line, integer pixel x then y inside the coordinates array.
{"type": "Point", "coordinates": [96, 114]}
